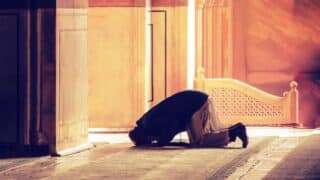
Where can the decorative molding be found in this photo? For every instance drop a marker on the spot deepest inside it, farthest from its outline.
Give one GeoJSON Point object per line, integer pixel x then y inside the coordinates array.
{"type": "Point", "coordinates": [151, 98]}
{"type": "Point", "coordinates": [74, 150]}
{"type": "Point", "coordinates": [165, 50]}
{"type": "Point", "coordinates": [200, 3]}
{"type": "Point", "coordinates": [216, 3]}
{"type": "Point", "coordinates": [60, 119]}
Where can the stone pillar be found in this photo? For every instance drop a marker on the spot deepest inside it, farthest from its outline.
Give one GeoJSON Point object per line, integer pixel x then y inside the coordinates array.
{"type": "Point", "coordinates": [61, 42]}
{"type": "Point", "coordinates": [43, 53]}
{"type": "Point", "coordinates": [216, 37]}
{"type": "Point", "coordinates": [199, 33]}
{"type": "Point", "coordinates": [71, 76]}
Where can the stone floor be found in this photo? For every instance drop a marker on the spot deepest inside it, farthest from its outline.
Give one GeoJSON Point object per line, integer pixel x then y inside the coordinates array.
{"type": "Point", "coordinates": [114, 157]}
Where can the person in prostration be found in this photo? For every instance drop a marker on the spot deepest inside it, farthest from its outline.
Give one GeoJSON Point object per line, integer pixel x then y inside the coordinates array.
{"type": "Point", "coordinates": [192, 111]}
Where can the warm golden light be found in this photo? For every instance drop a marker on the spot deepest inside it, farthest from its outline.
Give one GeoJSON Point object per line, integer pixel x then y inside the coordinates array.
{"type": "Point", "coordinates": [191, 44]}
{"type": "Point", "coordinates": [113, 138]}
{"type": "Point", "coordinates": [280, 132]}
{"type": "Point", "coordinates": [148, 57]}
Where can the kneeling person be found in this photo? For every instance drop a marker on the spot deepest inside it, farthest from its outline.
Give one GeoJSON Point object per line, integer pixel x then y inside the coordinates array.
{"type": "Point", "coordinates": [190, 111]}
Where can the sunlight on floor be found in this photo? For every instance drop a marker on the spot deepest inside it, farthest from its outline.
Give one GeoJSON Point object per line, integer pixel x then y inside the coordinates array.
{"type": "Point", "coordinates": [109, 138]}
{"type": "Point", "coordinates": [112, 138]}
{"type": "Point", "coordinates": [281, 131]}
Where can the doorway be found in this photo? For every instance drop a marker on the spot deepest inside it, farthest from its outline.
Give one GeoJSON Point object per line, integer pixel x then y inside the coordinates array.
{"type": "Point", "coordinates": [157, 90]}
{"type": "Point", "coordinates": [13, 75]}
{"type": "Point", "coordinates": [129, 73]}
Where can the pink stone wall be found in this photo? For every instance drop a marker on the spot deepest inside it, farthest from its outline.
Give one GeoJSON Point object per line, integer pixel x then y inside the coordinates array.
{"type": "Point", "coordinates": [282, 43]}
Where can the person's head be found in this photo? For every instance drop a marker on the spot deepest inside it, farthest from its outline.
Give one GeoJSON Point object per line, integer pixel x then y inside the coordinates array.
{"type": "Point", "coordinates": [139, 137]}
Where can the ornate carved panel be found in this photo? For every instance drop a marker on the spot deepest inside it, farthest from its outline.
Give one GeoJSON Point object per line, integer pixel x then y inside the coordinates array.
{"type": "Point", "coordinates": [231, 102]}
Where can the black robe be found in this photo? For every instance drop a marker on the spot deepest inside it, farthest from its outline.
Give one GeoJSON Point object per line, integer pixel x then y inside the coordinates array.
{"type": "Point", "coordinates": [172, 115]}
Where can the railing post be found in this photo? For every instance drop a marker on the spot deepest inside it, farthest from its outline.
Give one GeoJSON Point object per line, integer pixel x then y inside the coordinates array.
{"type": "Point", "coordinates": [199, 80]}
{"type": "Point", "coordinates": [294, 102]}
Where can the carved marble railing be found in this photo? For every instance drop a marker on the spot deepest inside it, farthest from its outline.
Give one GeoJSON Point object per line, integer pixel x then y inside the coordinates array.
{"type": "Point", "coordinates": [236, 101]}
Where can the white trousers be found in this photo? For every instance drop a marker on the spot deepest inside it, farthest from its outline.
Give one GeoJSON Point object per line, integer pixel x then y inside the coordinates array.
{"type": "Point", "coordinates": [205, 129]}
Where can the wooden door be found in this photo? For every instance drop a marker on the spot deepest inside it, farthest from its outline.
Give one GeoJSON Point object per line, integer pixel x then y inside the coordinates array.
{"type": "Point", "coordinates": [13, 74]}
{"type": "Point", "coordinates": [158, 59]}
{"type": "Point", "coordinates": [9, 78]}
{"type": "Point", "coordinates": [116, 66]}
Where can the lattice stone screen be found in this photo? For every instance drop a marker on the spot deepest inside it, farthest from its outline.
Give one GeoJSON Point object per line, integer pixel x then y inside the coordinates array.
{"type": "Point", "coordinates": [232, 102]}
{"type": "Point", "coordinates": [237, 101]}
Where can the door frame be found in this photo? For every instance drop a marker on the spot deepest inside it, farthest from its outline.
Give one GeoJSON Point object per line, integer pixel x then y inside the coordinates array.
{"type": "Point", "coordinates": [151, 82]}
